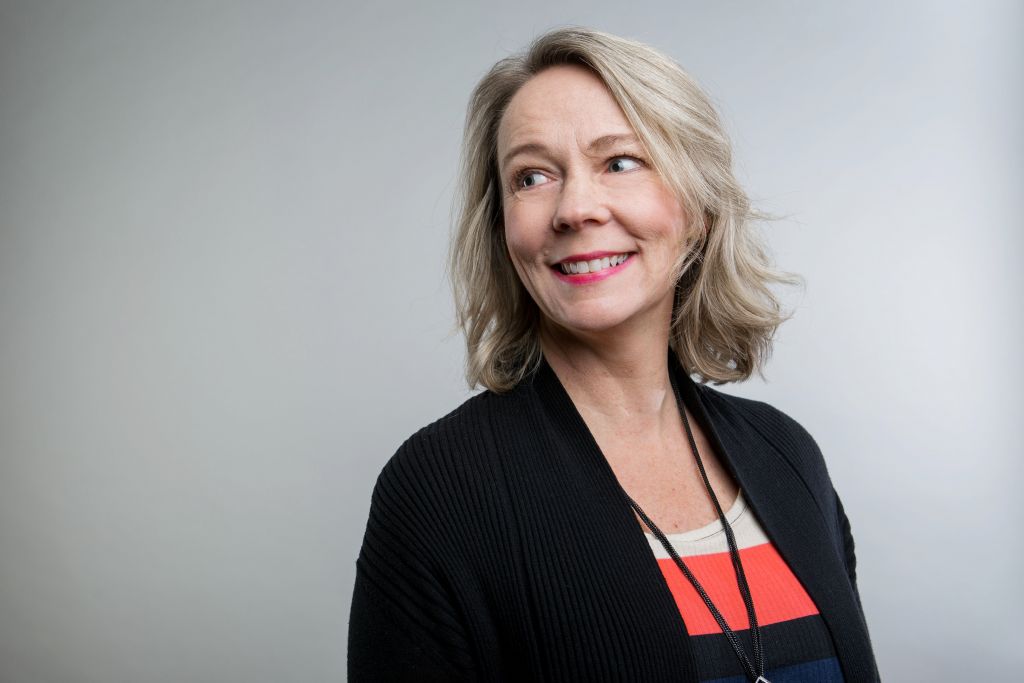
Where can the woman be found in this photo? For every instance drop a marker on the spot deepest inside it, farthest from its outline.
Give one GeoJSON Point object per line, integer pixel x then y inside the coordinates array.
{"type": "Point", "coordinates": [596, 514]}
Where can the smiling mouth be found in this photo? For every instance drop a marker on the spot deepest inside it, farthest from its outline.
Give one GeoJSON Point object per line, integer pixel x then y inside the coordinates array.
{"type": "Point", "coordinates": [591, 266]}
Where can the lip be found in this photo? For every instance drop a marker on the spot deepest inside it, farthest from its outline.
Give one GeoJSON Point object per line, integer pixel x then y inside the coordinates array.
{"type": "Point", "coordinates": [591, 255]}
{"type": "Point", "coordinates": [587, 278]}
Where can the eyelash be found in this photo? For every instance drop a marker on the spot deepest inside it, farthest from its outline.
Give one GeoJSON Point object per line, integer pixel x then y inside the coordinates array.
{"type": "Point", "coordinates": [518, 176]}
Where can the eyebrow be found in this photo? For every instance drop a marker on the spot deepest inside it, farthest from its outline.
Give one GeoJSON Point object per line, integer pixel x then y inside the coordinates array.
{"type": "Point", "coordinates": [597, 145]}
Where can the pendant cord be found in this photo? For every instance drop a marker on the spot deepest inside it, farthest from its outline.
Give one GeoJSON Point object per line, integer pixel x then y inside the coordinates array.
{"type": "Point", "coordinates": [734, 553]}
{"type": "Point", "coordinates": [756, 672]}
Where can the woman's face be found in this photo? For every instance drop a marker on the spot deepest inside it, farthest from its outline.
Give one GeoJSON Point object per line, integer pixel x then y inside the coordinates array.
{"type": "Point", "coordinates": [591, 229]}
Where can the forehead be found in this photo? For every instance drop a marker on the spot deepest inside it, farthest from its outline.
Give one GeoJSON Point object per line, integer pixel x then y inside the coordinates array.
{"type": "Point", "coordinates": [565, 101]}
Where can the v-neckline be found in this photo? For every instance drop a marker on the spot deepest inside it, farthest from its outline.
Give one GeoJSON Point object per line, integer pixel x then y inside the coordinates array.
{"type": "Point", "coordinates": [774, 491]}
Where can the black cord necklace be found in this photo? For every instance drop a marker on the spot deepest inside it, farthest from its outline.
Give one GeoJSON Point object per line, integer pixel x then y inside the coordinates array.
{"type": "Point", "coordinates": [755, 673]}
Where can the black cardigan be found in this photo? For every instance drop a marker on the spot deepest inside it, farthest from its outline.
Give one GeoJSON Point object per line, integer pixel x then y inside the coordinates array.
{"type": "Point", "coordinates": [501, 547]}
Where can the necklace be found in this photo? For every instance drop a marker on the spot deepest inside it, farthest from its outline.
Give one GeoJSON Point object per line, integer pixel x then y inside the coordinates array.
{"type": "Point", "coordinates": [754, 672]}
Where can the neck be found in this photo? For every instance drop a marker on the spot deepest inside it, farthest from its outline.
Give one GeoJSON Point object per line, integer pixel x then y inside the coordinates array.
{"type": "Point", "coordinates": [620, 378]}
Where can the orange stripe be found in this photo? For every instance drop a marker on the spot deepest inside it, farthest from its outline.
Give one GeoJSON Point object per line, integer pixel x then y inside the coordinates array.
{"type": "Point", "coordinates": [777, 594]}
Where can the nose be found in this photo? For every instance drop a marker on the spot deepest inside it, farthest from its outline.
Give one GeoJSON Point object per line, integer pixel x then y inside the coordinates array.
{"type": "Point", "coordinates": [582, 203]}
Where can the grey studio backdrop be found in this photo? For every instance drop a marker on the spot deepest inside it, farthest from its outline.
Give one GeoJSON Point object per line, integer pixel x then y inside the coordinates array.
{"type": "Point", "coordinates": [223, 306]}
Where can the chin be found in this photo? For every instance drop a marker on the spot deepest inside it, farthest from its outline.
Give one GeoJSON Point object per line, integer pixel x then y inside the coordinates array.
{"type": "Point", "coordinates": [593, 319]}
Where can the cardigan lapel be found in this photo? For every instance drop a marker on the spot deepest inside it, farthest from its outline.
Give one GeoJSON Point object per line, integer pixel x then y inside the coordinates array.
{"type": "Point", "coordinates": [649, 620]}
{"type": "Point", "coordinates": [791, 516]}
{"type": "Point", "coordinates": [789, 513]}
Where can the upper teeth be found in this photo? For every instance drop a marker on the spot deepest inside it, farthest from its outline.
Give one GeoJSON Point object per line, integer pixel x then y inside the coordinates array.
{"type": "Point", "coordinates": [592, 266]}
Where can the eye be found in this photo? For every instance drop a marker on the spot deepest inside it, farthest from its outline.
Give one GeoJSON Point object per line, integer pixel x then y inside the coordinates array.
{"type": "Point", "coordinates": [527, 179]}
{"type": "Point", "coordinates": [623, 163]}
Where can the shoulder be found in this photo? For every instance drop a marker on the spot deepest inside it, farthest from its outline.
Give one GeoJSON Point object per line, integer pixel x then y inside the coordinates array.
{"type": "Point", "coordinates": [466, 434]}
{"type": "Point", "coordinates": [766, 422]}
{"type": "Point", "coordinates": [443, 469]}
{"type": "Point", "coordinates": [773, 423]}
{"type": "Point", "coordinates": [456, 436]}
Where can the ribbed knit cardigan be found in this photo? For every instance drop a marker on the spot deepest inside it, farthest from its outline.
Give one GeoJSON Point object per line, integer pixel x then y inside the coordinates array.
{"type": "Point", "coordinates": [501, 547]}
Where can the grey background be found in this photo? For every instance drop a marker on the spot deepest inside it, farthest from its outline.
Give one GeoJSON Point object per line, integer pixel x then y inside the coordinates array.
{"type": "Point", "coordinates": [222, 299]}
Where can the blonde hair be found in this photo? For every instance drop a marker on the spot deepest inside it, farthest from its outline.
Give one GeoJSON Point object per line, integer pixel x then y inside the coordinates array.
{"type": "Point", "coordinates": [724, 315]}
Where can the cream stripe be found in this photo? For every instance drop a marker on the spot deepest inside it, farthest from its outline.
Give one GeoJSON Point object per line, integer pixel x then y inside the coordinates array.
{"type": "Point", "coordinates": [711, 537]}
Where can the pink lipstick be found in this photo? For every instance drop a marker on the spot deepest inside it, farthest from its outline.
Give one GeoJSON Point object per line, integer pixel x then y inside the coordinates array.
{"type": "Point", "coordinates": [589, 277]}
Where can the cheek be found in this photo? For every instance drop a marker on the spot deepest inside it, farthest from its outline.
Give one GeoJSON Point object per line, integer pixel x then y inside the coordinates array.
{"type": "Point", "coordinates": [518, 252]}
{"type": "Point", "coordinates": [654, 212]}
{"type": "Point", "coordinates": [525, 242]}
{"type": "Point", "coordinates": [672, 220]}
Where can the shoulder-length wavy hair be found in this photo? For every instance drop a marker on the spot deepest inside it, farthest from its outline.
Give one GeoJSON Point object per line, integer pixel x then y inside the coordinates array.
{"type": "Point", "coordinates": [725, 314]}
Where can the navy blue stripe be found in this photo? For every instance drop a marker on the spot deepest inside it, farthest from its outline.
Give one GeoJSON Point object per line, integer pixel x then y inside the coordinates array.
{"type": "Point", "coordinates": [786, 643]}
{"type": "Point", "coordinates": [820, 671]}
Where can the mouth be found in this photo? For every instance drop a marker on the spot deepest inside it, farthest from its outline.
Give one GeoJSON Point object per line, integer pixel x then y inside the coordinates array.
{"type": "Point", "coordinates": [586, 268]}
{"type": "Point", "coordinates": [576, 265]}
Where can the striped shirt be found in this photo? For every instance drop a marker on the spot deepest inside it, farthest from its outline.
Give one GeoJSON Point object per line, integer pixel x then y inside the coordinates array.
{"type": "Point", "coordinates": [797, 644]}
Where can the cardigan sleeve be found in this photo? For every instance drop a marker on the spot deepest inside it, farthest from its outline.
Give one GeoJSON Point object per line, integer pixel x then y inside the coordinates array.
{"type": "Point", "coordinates": [385, 644]}
{"type": "Point", "coordinates": [404, 624]}
{"type": "Point", "coordinates": [849, 554]}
